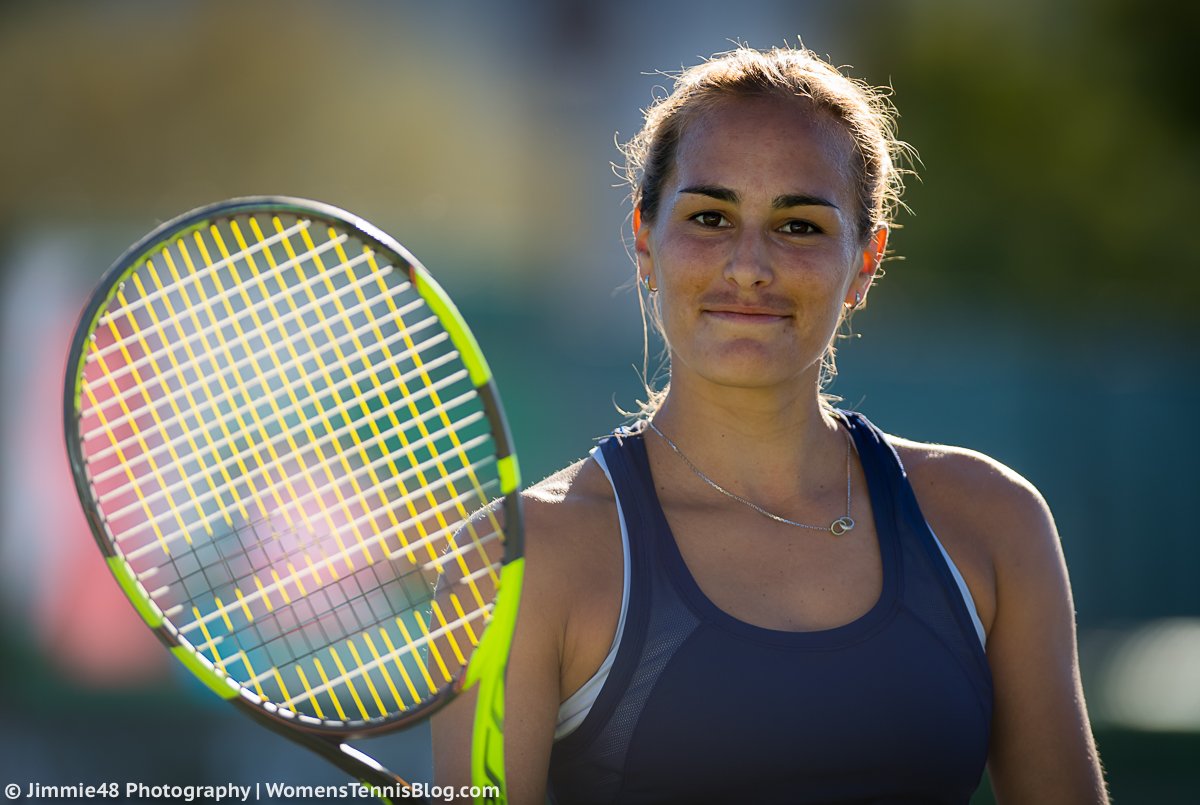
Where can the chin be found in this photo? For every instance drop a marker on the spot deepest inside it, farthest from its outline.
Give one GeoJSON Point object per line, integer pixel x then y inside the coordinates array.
{"type": "Point", "coordinates": [760, 380]}
{"type": "Point", "coordinates": [752, 365]}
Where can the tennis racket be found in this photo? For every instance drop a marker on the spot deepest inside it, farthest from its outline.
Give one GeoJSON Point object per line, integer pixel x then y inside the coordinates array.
{"type": "Point", "coordinates": [291, 452]}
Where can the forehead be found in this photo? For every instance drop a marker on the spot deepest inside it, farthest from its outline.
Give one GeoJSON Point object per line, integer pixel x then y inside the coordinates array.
{"type": "Point", "coordinates": [771, 144]}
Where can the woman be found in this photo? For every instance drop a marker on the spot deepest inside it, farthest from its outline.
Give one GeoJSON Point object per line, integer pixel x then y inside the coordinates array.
{"type": "Point", "coordinates": [751, 596]}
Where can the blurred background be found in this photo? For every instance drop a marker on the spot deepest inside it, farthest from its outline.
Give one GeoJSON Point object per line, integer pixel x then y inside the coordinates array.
{"type": "Point", "coordinates": [1045, 310]}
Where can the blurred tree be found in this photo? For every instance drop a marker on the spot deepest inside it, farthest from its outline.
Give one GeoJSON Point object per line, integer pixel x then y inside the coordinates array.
{"type": "Point", "coordinates": [1059, 154]}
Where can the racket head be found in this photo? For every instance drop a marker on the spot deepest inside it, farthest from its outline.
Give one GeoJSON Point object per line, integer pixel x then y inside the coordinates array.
{"type": "Point", "coordinates": [291, 452]}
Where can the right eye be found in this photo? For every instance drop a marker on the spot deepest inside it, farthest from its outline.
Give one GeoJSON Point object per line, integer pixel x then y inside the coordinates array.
{"type": "Point", "coordinates": [710, 219]}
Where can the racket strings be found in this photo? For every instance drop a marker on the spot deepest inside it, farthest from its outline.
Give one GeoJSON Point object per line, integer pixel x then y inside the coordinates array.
{"type": "Point", "coordinates": [151, 454]}
{"type": "Point", "coordinates": [292, 466]}
{"type": "Point", "coordinates": [182, 367]}
{"type": "Point", "coordinates": [262, 380]}
{"type": "Point", "coordinates": [312, 248]}
{"type": "Point", "coordinates": [225, 296]}
{"type": "Point", "coordinates": [314, 646]}
{"type": "Point", "coordinates": [325, 413]}
{"type": "Point", "coordinates": [462, 511]}
{"type": "Point", "coordinates": [333, 238]}
{"type": "Point", "coordinates": [329, 564]}
{"type": "Point", "coordinates": [223, 423]}
{"type": "Point", "coordinates": [297, 500]}
{"type": "Point", "coordinates": [488, 511]}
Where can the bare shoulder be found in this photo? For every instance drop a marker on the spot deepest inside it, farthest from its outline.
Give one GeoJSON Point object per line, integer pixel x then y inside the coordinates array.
{"type": "Point", "coordinates": [572, 481]}
{"type": "Point", "coordinates": [565, 577]}
{"type": "Point", "coordinates": [569, 505]}
{"type": "Point", "coordinates": [998, 529]}
{"type": "Point", "coordinates": [574, 566]}
{"type": "Point", "coordinates": [982, 487]}
{"type": "Point", "coordinates": [988, 515]}
{"type": "Point", "coordinates": [978, 503]}
{"type": "Point", "coordinates": [571, 531]}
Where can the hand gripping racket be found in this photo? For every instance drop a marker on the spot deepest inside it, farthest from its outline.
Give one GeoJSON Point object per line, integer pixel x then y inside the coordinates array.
{"type": "Point", "coordinates": [291, 452]}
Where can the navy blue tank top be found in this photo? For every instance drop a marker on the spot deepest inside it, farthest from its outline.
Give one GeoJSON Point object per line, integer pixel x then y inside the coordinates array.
{"type": "Point", "coordinates": [699, 707]}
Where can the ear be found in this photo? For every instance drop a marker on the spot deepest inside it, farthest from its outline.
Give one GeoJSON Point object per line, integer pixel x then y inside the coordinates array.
{"type": "Point", "coordinates": [870, 259]}
{"type": "Point", "coordinates": [641, 247]}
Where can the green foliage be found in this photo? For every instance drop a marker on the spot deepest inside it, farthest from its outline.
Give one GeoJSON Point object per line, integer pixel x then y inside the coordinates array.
{"type": "Point", "coordinates": [1059, 151]}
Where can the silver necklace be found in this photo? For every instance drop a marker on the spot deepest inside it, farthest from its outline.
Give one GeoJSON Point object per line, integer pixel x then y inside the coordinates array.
{"type": "Point", "coordinates": [838, 527]}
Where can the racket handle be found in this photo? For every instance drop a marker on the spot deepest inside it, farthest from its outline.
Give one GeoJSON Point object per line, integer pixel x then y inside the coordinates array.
{"type": "Point", "coordinates": [361, 767]}
{"type": "Point", "coordinates": [379, 776]}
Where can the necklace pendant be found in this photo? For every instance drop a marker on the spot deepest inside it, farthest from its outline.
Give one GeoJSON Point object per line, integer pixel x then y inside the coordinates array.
{"type": "Point", "coordinates": [838, 527]}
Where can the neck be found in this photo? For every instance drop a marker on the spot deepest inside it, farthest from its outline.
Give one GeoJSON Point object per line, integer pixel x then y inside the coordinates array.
{"type": "Point", "coordinates": [773, 446]}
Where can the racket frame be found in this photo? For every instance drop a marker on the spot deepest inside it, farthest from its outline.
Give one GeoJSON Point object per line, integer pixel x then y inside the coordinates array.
{"type": "Point", "coordinates": [488, 662]}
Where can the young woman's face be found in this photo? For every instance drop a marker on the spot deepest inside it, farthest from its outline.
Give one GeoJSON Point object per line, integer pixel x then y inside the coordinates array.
{"type": "Point", "coordinates": [755, 247]}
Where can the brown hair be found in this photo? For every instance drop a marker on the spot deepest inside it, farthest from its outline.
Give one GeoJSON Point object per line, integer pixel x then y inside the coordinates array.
{"type": "Point", "coordinates": [866, 113]}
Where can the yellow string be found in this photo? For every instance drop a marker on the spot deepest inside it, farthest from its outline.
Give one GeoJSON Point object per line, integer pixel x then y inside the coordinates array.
{"type": "Point", "coordinates": [359, 396]}
{"type": "Point", "coordinates": [227, 392]}
{"type": "Point", "coordinates": [433, 649]}
{"type": "Point", "coordinates": [137, 489]}
{"type": "Point", "coordinates": [345, 678]}
{"type": "Point", "coordinates": [314, 397]}
{"type": "Point", "coordinates": [395, 655]}
{"type": "Point", "coordinates": [447, 425]}
{"type": "Point", "coordinates": [304, 681]}
{"type": "Point", "coordinates": [329, 689]}
{"type": "Point", "coordinates": [158, 374]}
{"type": "Point", "coordinates": [366, 676]}
{"type": "Point", "coordinates": [444, 526]}
{"type": "Point", "coordinates": [458, 655]}
{"type": "Point", "coordinates": [187, 388]}
{"type": "Point", "coordinates": [412, 651]}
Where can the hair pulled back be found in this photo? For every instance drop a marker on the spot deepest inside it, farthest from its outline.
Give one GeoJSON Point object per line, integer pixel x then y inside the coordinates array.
{"type": "Point", "coordinates": [864, 111]}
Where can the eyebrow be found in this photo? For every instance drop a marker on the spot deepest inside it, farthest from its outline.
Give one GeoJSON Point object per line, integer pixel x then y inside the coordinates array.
{"type": "Point", "coordinates": [779, 202]}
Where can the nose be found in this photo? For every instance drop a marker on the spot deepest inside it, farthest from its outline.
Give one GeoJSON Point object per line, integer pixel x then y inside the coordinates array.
{"type": "Point", "coordinates": [749, 265]}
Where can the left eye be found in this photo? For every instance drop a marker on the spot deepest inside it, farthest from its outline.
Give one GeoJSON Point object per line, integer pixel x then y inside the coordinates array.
{"type": "Point", "coordinates": [799, 228]}
{"type": "Point", "coordinates": [713, 220]}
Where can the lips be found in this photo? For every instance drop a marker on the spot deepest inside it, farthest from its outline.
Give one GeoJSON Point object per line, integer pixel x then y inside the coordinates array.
{"type": "Point", "coordinates": [747, 314]}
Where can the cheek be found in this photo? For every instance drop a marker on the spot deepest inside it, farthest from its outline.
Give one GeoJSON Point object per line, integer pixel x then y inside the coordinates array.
{"type": "Point", "coordinates": [684, 271]}
{"type": "Point", "coordinates": [679, 255]}
{"type": "Point", "coordinates": [845, 259]}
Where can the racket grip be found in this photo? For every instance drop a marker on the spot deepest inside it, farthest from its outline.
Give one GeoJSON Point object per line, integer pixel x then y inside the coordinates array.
{"type": "Point", "coordinates": [379, 776]}
{"type": "Point", "coordinates": [361, 767]}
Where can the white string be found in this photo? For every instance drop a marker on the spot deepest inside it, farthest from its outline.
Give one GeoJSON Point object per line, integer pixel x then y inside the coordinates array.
{"type": "Point", "coordinates": [250, 404]}
{"type": "Point", "coordinates": [211, 300]}
{"type": "Point", "coordinates": [168, 539]}
{"type": "Point", "coordinates": [363, 545]}
{"type": "Point", "coordinates": [261, 469]}
{"type": "Point", "coordinates": [375, 663]}
{"type": "Point", "coordinates": [439, 563]}
{"type": "Point", "coordinates": [184, 387]}
{"type": "Point", "coordinates": [486, 569]}
{"type": "Point", "coordinates": [299, 226]}
{"type": "Point", "coordinates": [203, 332]}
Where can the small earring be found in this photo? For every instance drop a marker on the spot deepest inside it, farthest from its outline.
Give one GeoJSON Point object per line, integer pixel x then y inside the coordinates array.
{"type": "Point", "coordinates": [646, 284]}
{"type": "Point", "coordinates": [857, 302]}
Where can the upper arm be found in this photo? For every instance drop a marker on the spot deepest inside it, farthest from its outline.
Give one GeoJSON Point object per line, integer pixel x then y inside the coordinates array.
{"type": "Point", "coordinates": [1042, 746]}
{"type": "Point", "coordinates": [558, 528]}
{"type": "Point", "coordinates": [531, 688]}
{"type": "Point", "coordinates": [1041, 743]}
